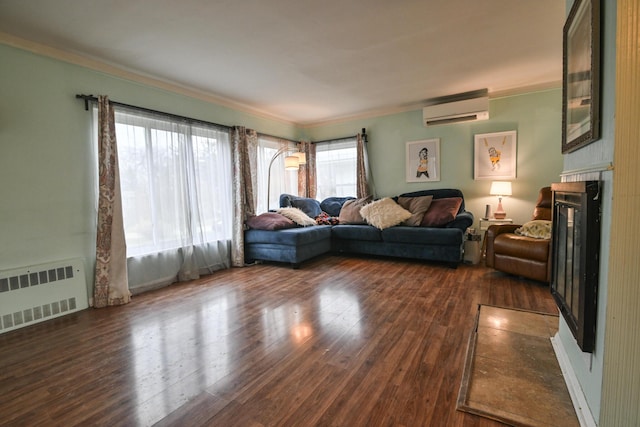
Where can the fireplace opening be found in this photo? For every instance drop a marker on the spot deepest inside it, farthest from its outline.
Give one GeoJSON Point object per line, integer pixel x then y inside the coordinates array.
{"type": "Point", "coordinates": [576, 256]}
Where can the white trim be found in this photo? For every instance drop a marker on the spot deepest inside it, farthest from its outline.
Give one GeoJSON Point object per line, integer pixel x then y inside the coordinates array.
{"type": "Point", "coordinates": [575, 391]}
{"type": "Point", "coordinates": [136, 76]}
{"type": "Point", "coordinates": [116, 70]}
{"type": "Point", "coordinates": [602, 167]}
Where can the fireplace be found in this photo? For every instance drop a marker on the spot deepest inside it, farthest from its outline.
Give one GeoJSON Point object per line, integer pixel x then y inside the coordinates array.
{"type": "Point", "coordinates": [576, 249]}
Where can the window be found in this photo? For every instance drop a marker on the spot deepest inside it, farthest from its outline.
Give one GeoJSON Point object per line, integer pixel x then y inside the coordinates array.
{"type": "Point", "coordinates": [176, 183]}
{"type": "Point", "coordinates": [336, 168]}
{"type": "Point", "coordinates": [282, 181]}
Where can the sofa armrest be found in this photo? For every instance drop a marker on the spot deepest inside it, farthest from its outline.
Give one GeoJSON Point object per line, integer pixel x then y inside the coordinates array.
{"type": "Point", "coordinates": [492, 232]}
{"type": "Point", "coordinates": [462, 221]}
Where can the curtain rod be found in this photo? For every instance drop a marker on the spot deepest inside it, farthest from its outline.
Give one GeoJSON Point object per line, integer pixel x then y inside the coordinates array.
{"type": "Point", "coordinates": [364, 138]}
{"type": "Point", "coordinates": [91, 98]}
{"type": "Point", "coordinates": [278, 137]}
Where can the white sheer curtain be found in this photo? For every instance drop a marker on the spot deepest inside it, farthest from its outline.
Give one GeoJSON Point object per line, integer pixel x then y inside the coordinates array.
{"type": "Point", "coordinates": [282, 181]}
{"type": "Point", "coordinates": [177, 200]}
{"type": "Point", "coordinates": [336, 166]}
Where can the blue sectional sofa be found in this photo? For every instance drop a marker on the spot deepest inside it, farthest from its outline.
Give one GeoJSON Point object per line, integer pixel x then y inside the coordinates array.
{"type": "Point", "coordinates": [444, 243]}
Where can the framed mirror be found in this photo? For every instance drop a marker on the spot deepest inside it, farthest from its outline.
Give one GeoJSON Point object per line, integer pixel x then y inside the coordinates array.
{"type": "Point", "coordinates": [581, 76]}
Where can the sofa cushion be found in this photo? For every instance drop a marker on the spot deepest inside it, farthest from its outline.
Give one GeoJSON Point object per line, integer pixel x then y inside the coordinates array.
{"type": "Point", "coordinates": [269, 221]}
{"type": "Point", "coordinates": [514, 246]}
{"type": "Point", "coordinates": [350, 212]}
{"type": "Point", "coordinates": [311, 207]}
{"type": "Point", "coordinates": [297, 216]}
{"type": "Point", "coordinates": [291, 236]}
{"type": "Point", "coordinates": [418, 206]}
{"type": "Point", "coordinates": [384, 213]}
{"type": "Point", "coordinates": [332, 205]}
{"type": "Point", "coordinates": [441, 212]}
{"type": "Point", "coordinates": [356, 232]}
{"type": "Point", "coordinates": [423, 236]}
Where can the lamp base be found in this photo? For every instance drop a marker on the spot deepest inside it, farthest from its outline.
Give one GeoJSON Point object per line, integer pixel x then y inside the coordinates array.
{"type": "Point", "coordinates": [500, 213]}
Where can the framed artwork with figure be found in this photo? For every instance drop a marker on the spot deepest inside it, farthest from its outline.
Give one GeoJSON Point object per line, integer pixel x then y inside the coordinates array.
{"type": "Point", "coordinates": [423, 160]}
{"type": "Point", "coordinates": [495, 155]}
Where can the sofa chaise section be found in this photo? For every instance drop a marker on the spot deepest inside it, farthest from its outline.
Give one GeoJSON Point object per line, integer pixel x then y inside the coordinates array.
{"type": "Point", "coordinates": [292, 245]}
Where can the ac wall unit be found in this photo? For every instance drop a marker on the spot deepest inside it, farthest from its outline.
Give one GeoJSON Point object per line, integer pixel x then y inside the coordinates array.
{"type": "Point", "coordinates": [466, 110]}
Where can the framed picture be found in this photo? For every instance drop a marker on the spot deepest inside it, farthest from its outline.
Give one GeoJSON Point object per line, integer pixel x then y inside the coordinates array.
{"type": "Point", "coordinates": [581, 76]}
{"type": "Point", "coordinates": [423, 160]}
{"type": "Point", "coordinates": [495, 155]}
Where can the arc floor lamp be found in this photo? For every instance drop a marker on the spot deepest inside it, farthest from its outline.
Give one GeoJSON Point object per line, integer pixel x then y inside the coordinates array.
{"type": "Point", "coordinates": [291, 162]}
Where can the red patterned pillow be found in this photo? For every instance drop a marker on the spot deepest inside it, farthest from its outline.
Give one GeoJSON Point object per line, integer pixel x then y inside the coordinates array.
{"type": "Point", "coordinates": [441, 212]}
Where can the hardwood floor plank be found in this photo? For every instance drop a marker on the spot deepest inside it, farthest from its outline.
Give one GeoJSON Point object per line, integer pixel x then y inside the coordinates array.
{"type": "Point", "coordinates": [341, 341]}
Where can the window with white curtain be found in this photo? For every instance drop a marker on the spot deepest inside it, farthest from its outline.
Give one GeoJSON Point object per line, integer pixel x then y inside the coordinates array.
{"type": "Point", "coordinates": [336, 168]}
{"type": "Point", "coordinates": [175, 179]}
{"type": "Point", "coordinates": [282, 181]}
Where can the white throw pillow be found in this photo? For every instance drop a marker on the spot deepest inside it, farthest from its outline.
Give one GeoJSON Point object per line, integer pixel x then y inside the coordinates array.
{"type": "Point", "coordinates": [297, 215]}
{"type": "Point", "coordinates": [384, 213]}
{"type": "Point", "coordinates": [538, 229]}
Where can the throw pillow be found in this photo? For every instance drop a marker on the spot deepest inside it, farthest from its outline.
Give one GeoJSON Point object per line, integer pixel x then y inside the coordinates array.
{"type": "Point", "coordinates": [325, 219]}
{"type": "Point", "coordinates": [309, 206]}
{"type": "Point", "coordinates": [538, 229]}
{"type": "Point", "coordinates": [332, 205]}
{"type": "Point", "coordinates": [297, 216]}
{"type": "Point", "coordinates": [441, 212]}
{"type": "Point", "coordinates": [418, 206]}
{"type": "Point", "coordinates": [350, 212]}
{"type": "Point", "coordinates": [384, 213]}
{"type": "Point", "coordinates": [269, 221]}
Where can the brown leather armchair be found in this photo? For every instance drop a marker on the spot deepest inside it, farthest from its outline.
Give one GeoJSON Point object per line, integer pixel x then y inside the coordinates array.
{"type": "Point", "coordinates": [521, 255]}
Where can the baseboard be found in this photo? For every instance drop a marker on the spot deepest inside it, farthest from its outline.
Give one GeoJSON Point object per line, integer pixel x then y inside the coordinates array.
{"type": "Point", "coordinates": [575, 391]}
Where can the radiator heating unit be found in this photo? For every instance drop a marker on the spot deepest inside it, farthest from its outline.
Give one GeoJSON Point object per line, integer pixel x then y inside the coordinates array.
{"type": "Point", "coordinates": [34, 294]}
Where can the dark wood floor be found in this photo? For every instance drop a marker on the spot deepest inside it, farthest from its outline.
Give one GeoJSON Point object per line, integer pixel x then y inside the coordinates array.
{"type": "Point", "coordinates": [343, 341]}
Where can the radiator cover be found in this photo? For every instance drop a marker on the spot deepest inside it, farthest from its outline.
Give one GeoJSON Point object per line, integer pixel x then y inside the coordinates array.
{"type": "Point", "coordinates": [37, 293]}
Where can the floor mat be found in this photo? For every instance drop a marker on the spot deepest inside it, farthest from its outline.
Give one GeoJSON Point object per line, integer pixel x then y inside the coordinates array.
{"type": "Point", "coordinates": [511, 373]}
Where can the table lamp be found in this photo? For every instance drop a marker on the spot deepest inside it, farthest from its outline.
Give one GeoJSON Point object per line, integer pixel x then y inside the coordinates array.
{"type": "Point", "coordinates": [500, 189]}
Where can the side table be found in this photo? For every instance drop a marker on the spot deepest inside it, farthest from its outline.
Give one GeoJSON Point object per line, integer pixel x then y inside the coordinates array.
{"type": "Point", "coordinates": [484, 226]}
{"type": "Point", "coordinates": [486, 223]}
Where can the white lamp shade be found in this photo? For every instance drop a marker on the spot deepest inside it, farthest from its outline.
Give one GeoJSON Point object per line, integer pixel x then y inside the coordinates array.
{"type": "Point", "coordinates": [291, 163]}
{"type": "Point", "coordinates": [500, 188]}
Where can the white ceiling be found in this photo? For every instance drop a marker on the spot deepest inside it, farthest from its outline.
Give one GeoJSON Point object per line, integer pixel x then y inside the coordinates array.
{"type": "Point", "coordinates": [310, 62]}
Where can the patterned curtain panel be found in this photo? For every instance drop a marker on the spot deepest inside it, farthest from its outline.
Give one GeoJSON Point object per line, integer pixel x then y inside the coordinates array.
{"type": "Point", "coordinates": [245, 166]}
{"type": "Point", "coordinates": [111, 283]}
{"type": "Point", "coordinates": [364, 179]}
{"type": "Point", "coordinates": [307, 186]}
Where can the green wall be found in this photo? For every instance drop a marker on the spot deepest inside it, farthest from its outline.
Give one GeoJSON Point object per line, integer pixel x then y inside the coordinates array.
{"type": "Point", "coordinates": [535, 116]}
{"type": "Point", "coordinates": [47, 160]}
